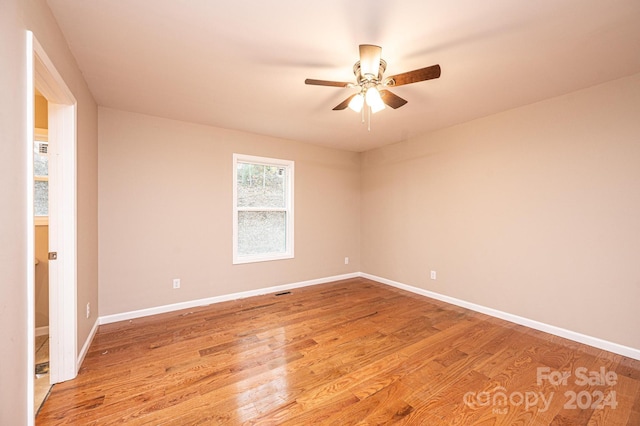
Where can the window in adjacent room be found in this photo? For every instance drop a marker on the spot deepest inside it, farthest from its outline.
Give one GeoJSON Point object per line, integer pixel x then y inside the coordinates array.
{"type": "Point", "coordinates": [262, 209]}
{"type": "Point", "coordinates": [41, 180]}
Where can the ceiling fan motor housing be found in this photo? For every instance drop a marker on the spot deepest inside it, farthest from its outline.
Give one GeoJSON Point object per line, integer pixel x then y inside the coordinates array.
{"type": "Point", "coordinates": [362, 80]}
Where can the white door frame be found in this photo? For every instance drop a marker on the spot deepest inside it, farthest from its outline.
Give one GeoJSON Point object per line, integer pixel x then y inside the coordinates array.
{"type": "Point", "coordinates": [63, 353]}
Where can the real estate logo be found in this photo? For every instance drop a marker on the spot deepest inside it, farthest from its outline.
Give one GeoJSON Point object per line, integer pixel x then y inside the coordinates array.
{"type": "Point", "coordinates": [589, 398]}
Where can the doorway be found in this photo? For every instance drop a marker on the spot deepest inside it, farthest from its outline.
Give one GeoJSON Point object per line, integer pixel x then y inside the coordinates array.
{"type": "Point", "coordinates": [62, 220]}
{"type": "Point", "coordinates": [41, 212]}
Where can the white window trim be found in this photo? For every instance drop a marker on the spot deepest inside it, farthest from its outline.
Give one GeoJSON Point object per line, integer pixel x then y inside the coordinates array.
{"type": "Point", "coordinates": [289, 203]}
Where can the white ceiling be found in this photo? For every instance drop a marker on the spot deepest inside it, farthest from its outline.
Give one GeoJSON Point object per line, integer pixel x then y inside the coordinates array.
{"type": "Point", "coordinates": [242, 64]}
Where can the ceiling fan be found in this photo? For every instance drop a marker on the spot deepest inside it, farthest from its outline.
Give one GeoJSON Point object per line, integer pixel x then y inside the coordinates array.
{"type": "Point", "coordinates": [372, 84]}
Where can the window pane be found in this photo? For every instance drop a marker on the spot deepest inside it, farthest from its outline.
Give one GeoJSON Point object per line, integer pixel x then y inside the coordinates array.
{"type": "Point", "coordinates": [41, 198]}
{"type": "Point", "coordinates": [260, 185]}
{"type": "Point", "coordinates": [261, 232]}
{"type": "Point", "coordinates": [40, 164]}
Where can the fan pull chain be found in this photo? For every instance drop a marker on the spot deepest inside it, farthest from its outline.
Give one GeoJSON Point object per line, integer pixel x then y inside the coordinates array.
{"type": "Point", "coordinates": [369, 121]}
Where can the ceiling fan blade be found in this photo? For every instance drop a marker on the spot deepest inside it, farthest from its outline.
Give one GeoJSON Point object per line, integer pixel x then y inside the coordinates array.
{"type": "Point", "coordinates": [342, 105]}
{"type": "Point", "coordinates": [370, 59]}
{"type": "Point", "coordinates": [326, 83]}
{"type": "Point", "coordinates": [391, 99]}
{"type": "Point", "coordinates": [415, 76]}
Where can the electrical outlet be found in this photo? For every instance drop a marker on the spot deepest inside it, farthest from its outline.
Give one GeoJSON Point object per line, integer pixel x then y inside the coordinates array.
{"type": "Point", "coordinates": [88, 309]}
{"type": "Point", "coordinates": [346, 260]}
{"type": "Point", "coordinates": [433, 275]}
{"type": "Point", "coordinates": [176, 283]}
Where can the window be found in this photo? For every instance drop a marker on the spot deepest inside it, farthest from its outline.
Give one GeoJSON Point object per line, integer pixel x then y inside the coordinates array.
{"type": "Point", "coordinates": [262, 209]}
{"type": "Point", "coordinates": [41, 180]}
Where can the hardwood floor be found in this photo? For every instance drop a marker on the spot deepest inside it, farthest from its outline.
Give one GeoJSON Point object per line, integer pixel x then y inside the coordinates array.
{"type": "Point", "coordinates": [349, 352]}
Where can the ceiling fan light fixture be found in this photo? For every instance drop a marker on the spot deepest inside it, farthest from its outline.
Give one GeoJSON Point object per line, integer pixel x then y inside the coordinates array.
{"type": "Point", "coordinates": [374, 100]}
{"type": "Point", "coordinates": [357, 102]}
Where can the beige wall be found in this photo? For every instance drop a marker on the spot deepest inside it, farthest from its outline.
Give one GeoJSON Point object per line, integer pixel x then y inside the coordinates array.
{"type": "Point", "coordinates": [42, 276]}
{"type": "Point", "coordinates": [16, 16]}
{"type": "Point", "coordinates": [165, 192]}
{"type": "Point", "coordinates": [534, 211]}
{"type": "Point", "coordinates": [42, 116]}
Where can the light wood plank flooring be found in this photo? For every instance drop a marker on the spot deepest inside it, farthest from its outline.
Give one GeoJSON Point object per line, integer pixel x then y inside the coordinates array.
{"type": "Point", "coordinates": [349, 352]}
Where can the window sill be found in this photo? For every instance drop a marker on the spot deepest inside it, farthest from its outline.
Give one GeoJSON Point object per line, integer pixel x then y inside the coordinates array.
{"type": "Point", "coordinates": [255, 259]}
{"type": "Point", "coordinates": [41, 220]}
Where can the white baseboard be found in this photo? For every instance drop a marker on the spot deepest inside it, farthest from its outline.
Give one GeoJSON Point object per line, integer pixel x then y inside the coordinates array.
{"type": "Point", "coordinates": [42, 331]}
{"type": "Point", "coordinates": [107, 319]}
{"type": "Point", "coordinates": [87, 343]}
{"type": "Point", "coordinates": [551, 329]}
